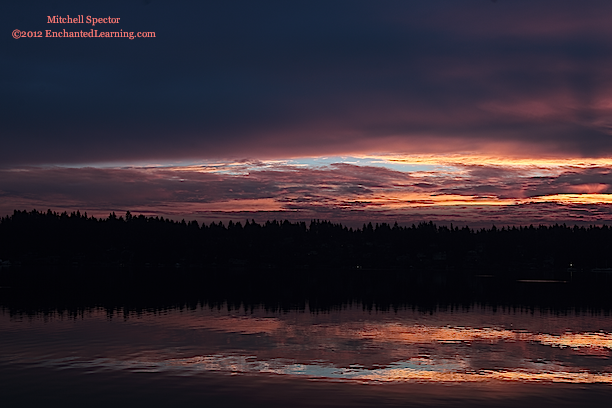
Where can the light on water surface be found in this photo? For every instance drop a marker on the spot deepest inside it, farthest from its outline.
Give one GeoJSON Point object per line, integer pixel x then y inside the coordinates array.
{"type": "Point", "coordinates": [348, 345]}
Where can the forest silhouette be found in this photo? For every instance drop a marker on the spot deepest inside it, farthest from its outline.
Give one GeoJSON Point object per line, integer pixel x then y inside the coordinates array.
{"type": "Point", "coordinates": [285, 263]}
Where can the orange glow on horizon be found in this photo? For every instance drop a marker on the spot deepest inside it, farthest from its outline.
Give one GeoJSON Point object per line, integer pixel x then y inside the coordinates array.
{"type": "Point", "coordinates": [343, 188]}
{"type": "Point", "coordinates": [492, 160]}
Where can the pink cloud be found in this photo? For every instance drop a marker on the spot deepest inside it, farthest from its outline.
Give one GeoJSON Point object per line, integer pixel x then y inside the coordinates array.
{"type": "Point", "coordinates": [470, 194]}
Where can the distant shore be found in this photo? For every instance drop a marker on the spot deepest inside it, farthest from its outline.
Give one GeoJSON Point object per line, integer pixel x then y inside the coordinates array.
{"type": "Point", "coordinates": [61, 256]}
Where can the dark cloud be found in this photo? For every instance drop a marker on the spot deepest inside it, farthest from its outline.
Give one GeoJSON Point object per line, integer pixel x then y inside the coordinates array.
{"type": "Point", "coordinates": [593, 180]}
{"type": "Point", "coordinates": [342, 192]}
{"type": "Point", "coordinates": [287, 79]}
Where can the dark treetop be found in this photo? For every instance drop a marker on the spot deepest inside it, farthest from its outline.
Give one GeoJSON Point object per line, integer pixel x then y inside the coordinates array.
{"type": "Point", "coordinates": [294, 261]}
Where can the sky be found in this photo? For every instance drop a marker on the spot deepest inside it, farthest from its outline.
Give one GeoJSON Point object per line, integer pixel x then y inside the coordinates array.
{"type": "Point", "coordinates": [475, 112]}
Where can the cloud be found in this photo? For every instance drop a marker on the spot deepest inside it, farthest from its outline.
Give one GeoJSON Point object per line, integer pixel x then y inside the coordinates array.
{"type": "Point", "coordinates": [279, 80]}
{"type": "Point", "coordinates": [461, 193]}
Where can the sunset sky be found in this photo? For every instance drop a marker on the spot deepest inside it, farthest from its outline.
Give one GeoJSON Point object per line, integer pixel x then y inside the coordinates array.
{"type": "Point", "coordinates": [475, 112]}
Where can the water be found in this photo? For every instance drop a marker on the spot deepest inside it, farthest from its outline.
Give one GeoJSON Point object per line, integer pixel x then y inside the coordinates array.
{"type": "Point", "coordinates": [217, 357]}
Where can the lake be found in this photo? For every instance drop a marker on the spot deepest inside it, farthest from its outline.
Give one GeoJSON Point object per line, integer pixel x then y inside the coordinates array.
{"type": "Point", "coordinates": [212, 355]}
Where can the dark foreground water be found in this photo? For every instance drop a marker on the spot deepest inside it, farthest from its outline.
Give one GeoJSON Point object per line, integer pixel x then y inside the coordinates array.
{"type": "Point", "coordinates": [212, 357]}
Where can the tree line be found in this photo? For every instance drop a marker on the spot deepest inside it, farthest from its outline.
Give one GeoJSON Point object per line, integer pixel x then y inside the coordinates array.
{"type": "Point", "coordinates": [289, 262]}
{"type": "Point", "coordinates": [51, 238]}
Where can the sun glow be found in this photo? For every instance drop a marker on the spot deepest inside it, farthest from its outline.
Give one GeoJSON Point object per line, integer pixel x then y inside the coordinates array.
{"type": "Point", "coordinates": [322, 187]}
{"type": "Point", "coordinates": [487, 160]}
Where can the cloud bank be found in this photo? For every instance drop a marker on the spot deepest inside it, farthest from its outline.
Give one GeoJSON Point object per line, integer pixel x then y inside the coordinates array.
{"type": "Point", "coordinates": [277, 80]}
{"type": "Point", "coordinates": [459, 191]}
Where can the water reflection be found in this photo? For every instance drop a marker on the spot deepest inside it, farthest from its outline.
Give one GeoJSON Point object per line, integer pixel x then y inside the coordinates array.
{"type": "Point", "coordinates": [349, 345]}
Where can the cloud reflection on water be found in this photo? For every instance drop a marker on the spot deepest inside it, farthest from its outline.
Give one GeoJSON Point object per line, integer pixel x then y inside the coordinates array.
{"type": "Point", "coordinates": [413, 370]}
{"type": "Point", "coordinates": [346, 346]}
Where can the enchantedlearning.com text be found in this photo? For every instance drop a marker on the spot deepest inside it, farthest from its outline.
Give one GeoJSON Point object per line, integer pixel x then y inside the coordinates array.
{"type": "Point", "coordinates": [92, 33]}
